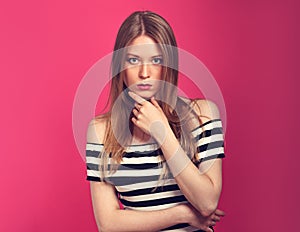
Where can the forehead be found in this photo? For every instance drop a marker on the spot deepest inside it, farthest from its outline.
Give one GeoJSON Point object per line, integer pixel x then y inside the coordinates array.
{"type": "Point", "coordinates": [144, 46]}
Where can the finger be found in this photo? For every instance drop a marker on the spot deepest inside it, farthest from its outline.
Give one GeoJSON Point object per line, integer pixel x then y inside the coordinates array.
{"type": "Point", "coordinates": [219, 212]}
{"type": "Point", "coordinates": [135, 112]}
{"type": "Point", "coordinates": [215, 218]}
{"type": "Point", "coordinates": [138, 106]}
{"type": "Point", "coordinates": [135, 121]}
{"type": "Point", "coordinates": [154, 102]}
{"type": "Point", "coordinates": [213, 223]}
{"type": "Point", "coordinates": [136, 97]}
{"type": "Point", "coordinates": [209, 230]}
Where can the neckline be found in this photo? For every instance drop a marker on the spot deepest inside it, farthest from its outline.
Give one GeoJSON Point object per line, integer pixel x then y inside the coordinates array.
{"type": "Point", "coordinates": [131, 145]}
{"type": "Point", "coordinates": [147, 144]}
{"type": "Point", "coordinates": [205, 123]}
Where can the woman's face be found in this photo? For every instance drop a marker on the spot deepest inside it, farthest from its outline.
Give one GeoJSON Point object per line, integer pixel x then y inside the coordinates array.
{"type": "Point", "coordinates": [143, 67]}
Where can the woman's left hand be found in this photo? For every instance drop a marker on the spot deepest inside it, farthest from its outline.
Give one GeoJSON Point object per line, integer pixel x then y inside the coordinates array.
{"type": "Point", "coordinates": [149, 117]}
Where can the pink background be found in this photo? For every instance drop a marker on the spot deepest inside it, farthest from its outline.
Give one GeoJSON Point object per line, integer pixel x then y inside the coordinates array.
{"type": "Point", "coordinates": [251, 48]}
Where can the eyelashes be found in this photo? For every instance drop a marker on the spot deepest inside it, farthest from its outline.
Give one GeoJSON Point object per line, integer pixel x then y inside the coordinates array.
{"type": "Point", "coordinates": [132, 60]}
{"type": "Point", "coordinates": [135, 61]}
{"type": "Point", "coordinates": [157, 61]}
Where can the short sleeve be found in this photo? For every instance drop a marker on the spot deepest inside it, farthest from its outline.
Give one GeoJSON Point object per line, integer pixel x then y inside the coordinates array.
{"type": "Point", "coordinates": [209, 139]}
{"type": "Point", "coordinates": [93, 151]}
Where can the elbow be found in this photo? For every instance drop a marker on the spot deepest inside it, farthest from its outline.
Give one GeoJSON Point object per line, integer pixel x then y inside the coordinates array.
{"type": "Point", "coordinates": [101, 227]}
{"type": "Point", "coordinates": [104, 226]}
{"type": "Point", "coordinates": [209, 206]}
{"type": "Point", "coordinates": [107, 222]}
{"type": "Point", "coordinates": [207, 209]}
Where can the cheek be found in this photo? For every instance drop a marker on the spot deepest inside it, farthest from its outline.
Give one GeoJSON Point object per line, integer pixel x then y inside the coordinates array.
{"type": "Point", "coordinates": [125, 81]}
{"type": "Point", "coordinates": [128, 77]}
{"type": "Point", "coordinates": [157, 73]}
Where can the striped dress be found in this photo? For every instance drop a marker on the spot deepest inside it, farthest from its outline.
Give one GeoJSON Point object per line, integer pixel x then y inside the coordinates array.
{"type": "Point", "coordinates": [137, 175]}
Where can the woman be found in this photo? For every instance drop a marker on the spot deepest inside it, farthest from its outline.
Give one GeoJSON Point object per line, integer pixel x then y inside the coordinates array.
{"type": "Point", "coordinates": [157, 153]}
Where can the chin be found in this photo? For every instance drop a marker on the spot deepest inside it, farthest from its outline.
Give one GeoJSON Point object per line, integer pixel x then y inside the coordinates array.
{"type": "Point", "coordinates": [145, 96]}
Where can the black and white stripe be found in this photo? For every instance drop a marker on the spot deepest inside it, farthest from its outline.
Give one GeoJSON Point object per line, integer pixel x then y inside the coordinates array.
{"type": "Point", "coordinates": [138, 173]}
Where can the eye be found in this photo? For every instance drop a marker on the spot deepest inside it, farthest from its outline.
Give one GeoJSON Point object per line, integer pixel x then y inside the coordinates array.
{"type": "Point", "coordinates": [133, 60]}
{"type": "Point", "coordinates": [157, 61]}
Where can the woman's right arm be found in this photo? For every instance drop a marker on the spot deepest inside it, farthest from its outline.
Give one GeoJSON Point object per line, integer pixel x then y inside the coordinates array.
{"type": "Point", "coordinates": [110, 217]}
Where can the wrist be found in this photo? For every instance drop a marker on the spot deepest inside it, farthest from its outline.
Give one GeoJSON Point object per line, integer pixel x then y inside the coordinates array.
{"type": "Point", "coordinates": [170, 144]}
{"type": "Point", "coordinates": [182, 214]}
{"type": "Point", "coordinates": [160, 132]}
{"type": "Point", "coordinates": [169, 138]}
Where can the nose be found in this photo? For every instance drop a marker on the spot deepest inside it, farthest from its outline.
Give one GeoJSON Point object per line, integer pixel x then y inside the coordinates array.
{"type": "Point", "coordinates": [144, 71]}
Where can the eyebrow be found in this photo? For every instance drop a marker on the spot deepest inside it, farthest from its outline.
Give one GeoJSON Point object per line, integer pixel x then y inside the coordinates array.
{"type": "Point", "coordinates": [139, 56]}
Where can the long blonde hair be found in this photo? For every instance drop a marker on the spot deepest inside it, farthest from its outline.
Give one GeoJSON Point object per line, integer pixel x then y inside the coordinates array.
{"type": "Point", "coordinates": [181, 120]}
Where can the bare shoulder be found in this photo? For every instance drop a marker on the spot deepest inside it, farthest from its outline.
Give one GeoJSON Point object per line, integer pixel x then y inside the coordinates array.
{"type": "Point", "coordinates": [206, 109]}
{"type": "Point", "coordinates": [96, 129]}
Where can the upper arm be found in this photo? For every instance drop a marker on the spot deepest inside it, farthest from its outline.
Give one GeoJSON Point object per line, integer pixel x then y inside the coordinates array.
{"type": "Point", "coordinates": [211, 146]}
{"type": "Point", "coordinates": [104, 195]}
{"type": "Point", "coordinates": [105, 201]}
{"type": "Point", "coordinates": [96, 130]}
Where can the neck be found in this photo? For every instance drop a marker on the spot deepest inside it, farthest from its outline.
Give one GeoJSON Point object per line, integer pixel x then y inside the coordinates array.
{"type": "Point", "coordinates": [140, 136]}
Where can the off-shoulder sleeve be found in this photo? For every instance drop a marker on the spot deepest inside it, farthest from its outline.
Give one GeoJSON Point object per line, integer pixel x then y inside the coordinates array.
{"type": "Point", "coordinates": [93, 151]}
{"type": "Point", "coordinates": [209, 139]}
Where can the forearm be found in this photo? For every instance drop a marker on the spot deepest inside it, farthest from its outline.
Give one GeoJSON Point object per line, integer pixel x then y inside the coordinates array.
{"type": "Point", "coordinates": [197, 188]}
{"type": "Point", "coordinates": [132, 220]}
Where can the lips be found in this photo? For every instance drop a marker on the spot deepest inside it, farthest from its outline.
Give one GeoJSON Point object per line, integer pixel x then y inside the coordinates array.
{"type": "Point", "coordinates": [144, 86]}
